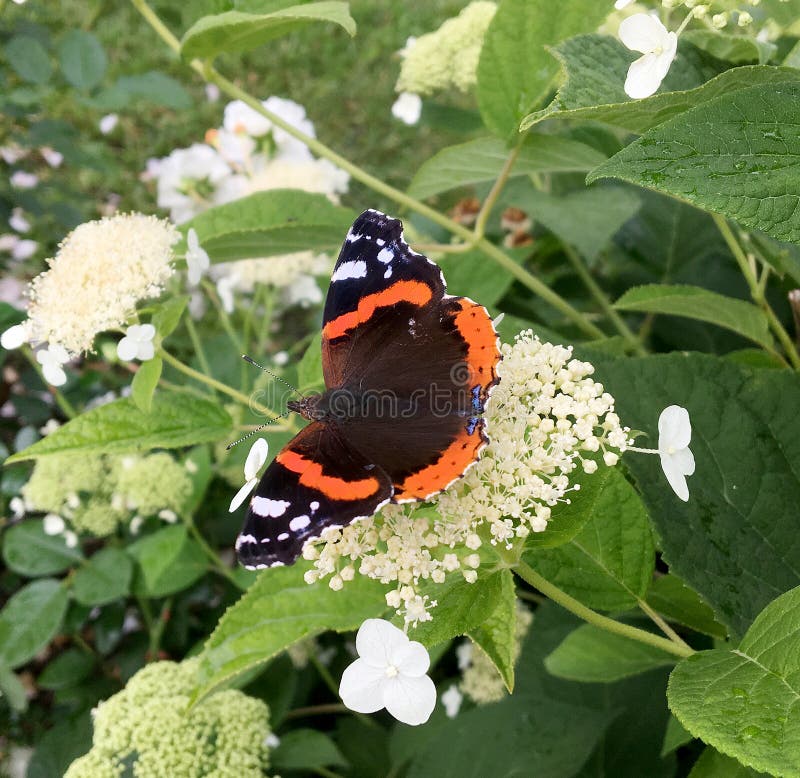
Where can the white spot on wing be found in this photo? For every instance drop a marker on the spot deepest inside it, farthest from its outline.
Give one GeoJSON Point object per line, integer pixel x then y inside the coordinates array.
{"type": "Point", "coordinates": [385, 256]}
{"type": "Point", "coordinates": [380, 241]}
{"type": "Point", "coordinates": [314, 505]}
{"type": "Point", "coordinates": [388, 272]}
{"type": "Point", "coordinates": [263, 506]}
{"type": "Point", "coordinates": [352, 237]}
{"type": "Point", "coordinates": [357, 269]}
{"type": "Point", "coordinates": [298, 523]}
{"type": "Point", "coordinates": [283, 536]}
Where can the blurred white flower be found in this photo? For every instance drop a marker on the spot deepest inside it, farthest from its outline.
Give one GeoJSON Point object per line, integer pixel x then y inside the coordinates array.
{"type": "Point", "coordinates": [241, 118]}
{"type": "Point", "coordinates": [620, 4]}
{"type": "Point", "coordinates": [51, 156]}
{"type": "Point", "coordinates": [18, 222]}
{"type": "Point", "coordinates": [464, 654]}
{"type": "Point", "coordinates": [303, 291]}
{"type": "Point", "coordinates": [108, 123]}
{"type": "Point", "coordinates": [14, 336]}
{"type": "Point", "coordinates": [389, 673]}
{"type": "Point", "coordinates": [167, 515]}
{"type": "Point", "coordinates": [17, 507]}
{"type": "Point", "coordinates": [70, 538]}
{"type": "Point", "coordinates": [646, 34]}
{"type": "Point", "coordinates": [674, 436]}
{"type": "Point", "coordinates": [212, 93]}
{"type": "Point", "coordinates": [13, 154]}
{"type": "Point", "coordinates": [407, 108]}
{"type": "Point", "coordinates": [21, 179]}
{"type": "Point", "coordinates": [254, 462]}
{"type": "Point", "coordinates": [52, 360]}
{"type": "Point", "coordinates": [225, 287]}
{"type": "Point", "coordinates": [53, 524]}
{"type": "Point", "coordinates": [235, 148]}
{"type": "Point", "coordinates": [311, 175]}
{"type": "Point", "coordinates": [452, 700]}
{"type": "Point", "coordinates": [51, 425]}
{"type": "Point", "coordinates": [23, 249]}
{"type": "Point", "coordinates": [197, 259]}
{"type": "Point", "coordinates": [137, 343]}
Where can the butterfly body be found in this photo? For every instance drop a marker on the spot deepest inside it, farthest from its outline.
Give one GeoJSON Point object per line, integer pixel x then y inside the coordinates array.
{"type": "Point", "coordinates": [408, 370]}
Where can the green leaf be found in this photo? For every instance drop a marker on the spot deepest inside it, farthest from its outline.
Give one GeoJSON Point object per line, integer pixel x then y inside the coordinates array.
{"type": "Point", "coordinates": [168, 315]}
{"type": "Point", "coordinates": [609, 563]}
{"type": "Point", "coordinates": [12, 690]}
{"type": "Point", "coordinates": [732, 48]}
{"type": "Point", "coordinates": [712, 764]}
{"type": "Point", "coordinates": [586, 219]}
{"type": "Point", "coordinates": [29, 551]}
{"type": "Point", "coordinates": [470, 275]}
{"type": "Point", "coordinates": [309, 369]}
{"type": "Point", "coordinates": [30, 620]}
{"type": "Point", "coordinates": [144, 383]}
{"type": "Point", "coordinates": [592, 655]}
{"type": "Point", "coordinates": [104, 578]}
{"type": "Point", "coordinates": [154, 87]}
{"type": "Point", "coordinates": [515, 71]}
{"type": "Point", "coordinates": [236, 31]}
{"type": "Point", "coordinates": [461, 607]}
{"type": "Point", "coordinates": [60, 746]}
{"type": "Point", "coordinates": [737, 155]}
{"type": "Point", "coordinates": [169, 561]}
{"type": "Point", "coordinates": [733, 542]}
{"type": "Point", "coordinates": [744, 701]}
{"type": "Point", "coordinates": [595, 67]}
{"type": "Point", "coordinates": [496, 635]}
{"type": "Point", "coordinates": [482, 160]}
{"type": "Point", "coordinates": [175, 420]}
{"type": "Point", "coordinates": [700, 304]}
{"type": "Point", "coordinates": [306, 749]}
{"type": "Point", "coordinates": [28, 59]}
{"type": "Point", "coordinates": [67, 669]}
{"type": "Point", "coordinates": [83, 61]}
{"type": "Point", "coordinates": [673, 599]}
{"type": "Point", "coordinates": [675, 736]}
{"type": "Point", "coordinates": [280, 221]}
{"type": "Point", "coordinates": [279, 609]}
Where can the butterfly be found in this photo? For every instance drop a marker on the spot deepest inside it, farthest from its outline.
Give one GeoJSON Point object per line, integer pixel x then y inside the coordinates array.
{"type": "Point", "coordinates": [408, 370]}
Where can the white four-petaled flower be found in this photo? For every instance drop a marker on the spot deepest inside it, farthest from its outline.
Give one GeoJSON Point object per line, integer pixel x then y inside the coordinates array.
{"type": "Point", "coordinates": [137, 343]}
{"type": "Point", "coordinates": [674, 436]}
{"type": "Point", "coordinates": [197, 259]}
{"type": "Point", "coordinates": [390, 673]}
{"type": "Point", "coordinates": [646, 34]}
{"type": "Point", "coordinates": [254, 462]}
{"type": "Point", "coordinates": [15, 336]}
{"type": "Point", "coordinates": [52, 360]}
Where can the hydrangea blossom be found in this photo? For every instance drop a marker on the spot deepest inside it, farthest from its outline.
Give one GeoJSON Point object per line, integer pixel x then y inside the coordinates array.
{"type": "Point", "coordinates": [546, 418]}
{"type": "Point", "coordinates": [137, 343]}
{"type": "Point", "coordinates": [148, 728]}
{"type": "Point", "coordinates": [407, 108]}
{"type": "Point", "coordinates": [646, 34]}
{"type": "Point", "coordinates": [256, 458]}
{"type": "Point", "coordinates": [197, 259]}
{"type": "Point", "coordinates": [52, 360]}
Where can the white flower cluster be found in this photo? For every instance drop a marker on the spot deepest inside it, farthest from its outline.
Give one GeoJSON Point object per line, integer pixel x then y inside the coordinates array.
{"type": "Point", "coordinates": [545, 418]}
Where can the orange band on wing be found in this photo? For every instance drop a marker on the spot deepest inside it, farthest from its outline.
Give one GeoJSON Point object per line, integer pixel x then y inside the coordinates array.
{"type": "Point", "coordinates": [311, 475]}
{"type": "Point", "coordinates": [450, 465]}
{"type": "Point", "coordinates": [415, 292]}
{"type": "Point", "coordinates": [475, 326]}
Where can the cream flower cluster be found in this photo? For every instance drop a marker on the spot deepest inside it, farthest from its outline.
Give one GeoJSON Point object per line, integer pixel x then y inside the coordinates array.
{"type": "Point", "coordinates": [99, 273]}
{"type": "Point", "coordinates": [448, 57]}
{"type": "Point", "coordinates": [546, 418]}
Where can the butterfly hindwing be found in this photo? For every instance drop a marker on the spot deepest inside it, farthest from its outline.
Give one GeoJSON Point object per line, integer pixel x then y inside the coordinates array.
{"type": "Point", "coordinates": [316, 481]}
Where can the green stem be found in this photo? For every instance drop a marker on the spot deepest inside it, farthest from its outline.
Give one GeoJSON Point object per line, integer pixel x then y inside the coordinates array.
{"type": "Point", "coordinates": [209, 73]}
{"type": "Point", "coordinates": [198, 346]}
{"type": "Point", "coordinates": [223, 316]}
{"type": "Point", "coordinates": [317, 710]}
{"type": "Point", "coordinates": [756, 292]}
{"type": "Point", "coordinates": [603, 301]}
{"type": "Point", "coordinates": [62, 402]}
{"type": "Point", "coordinates": [661, 624]}
{"type": "Point", "coordinates": [212, 555]}
{"type": "Point", "coordinates": [158, 629]}
{"type": "Point", "coordinates": [529, 575]}
{"type": "Point", "coordinates": [262, 410]}
{"type": "Point", "coordinates": [497, 188]}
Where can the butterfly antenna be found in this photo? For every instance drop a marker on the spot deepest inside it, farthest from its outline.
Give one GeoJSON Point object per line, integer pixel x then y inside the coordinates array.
{"type": "Point", "coordinates": [276, 377]}
{"type": "Point", "coordinates": [257, 429]}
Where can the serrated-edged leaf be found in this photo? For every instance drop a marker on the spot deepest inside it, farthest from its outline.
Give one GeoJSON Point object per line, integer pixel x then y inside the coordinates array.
{"type": "Point", "coordinates": [515, 71]}
{"type": "Point", "coordinates": [168, 315]}
{"type": "Point", "coordinates": [279, 221]}
{"type": "Point", "coordinates": [104, 578]}
{"type": "Point", "coordinates": [496, 635]}
{"type": "Point", "coordinates": [672, 598]}
{"type": "Point", "coordinates": [743, 701]}
{"type": "Point", "coordinates": [675, 736]}
{"type": "Point", "coordinates": [305, 749]}
{"type": "Point", "coordinates": [461, 606]}
{"type": "Point", "coordinates": [176, 419]}
{"type": "Point", "coordinates": [237, 31]}
{"type": "Point", "coordinates": [482, 160]}
{"type": "Point", "coordinates": [593, 655]}
{"type": "Point", "coordinates": [701, 304]}
{"type": "Point", "coordinates": [144, 383]}
{"type": "Point", "coordinates": [83, 61]}
{"type": "Point", "coordinates": [29, 550]}
{"type": "Point", "coordinates": [30, 620]}
{"type": "Point", "coordinates": [28, 59]}
{"type": "Point", "coordinates": [67, 669]}
{"type": "Point", "coordinates": [734, 541]}
{"type": "Point", "coordinates": [169, 561]}
{"type": "Point", "coordinates": [279, 609]}
{"type": "Point", "coordinates": [609, 563]}
{"type": "Point", "coordinates": [712, 764]}
{"type": "Point", "coordinates": [595, 67]}
{"type": "Point", "coordinates": [738, 155]}
{"type": "Point", "coordinates": [732, 48]}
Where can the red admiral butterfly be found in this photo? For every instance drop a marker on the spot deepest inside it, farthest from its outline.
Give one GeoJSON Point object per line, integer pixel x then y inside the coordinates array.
{"type": "Point", "coordinates": [408, 370]}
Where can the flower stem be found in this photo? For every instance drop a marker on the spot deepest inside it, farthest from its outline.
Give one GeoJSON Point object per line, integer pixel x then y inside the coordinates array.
{"type": "Point", "coordinates": [212, 555]}
{"type": "Point", "coordinates": [757, 292]}
{"type": "Point", "coordinates": [497, 188]}
{"type": "Point", "coordinates": [602, 300]}
{"type": "Point", "coordinates": [254, 406]}
{"type": "Point", "coordinates": [661, 623]}
{"type": "Point", "coordinates": [529, 575]}
{"type": "Point", "coordinates": [198, 346]}
{"type": "Point", "coordinates": [209, 73]}
{"type": "Point", "coordinates": [62, 402]}
{"type": "Point", "coordinates": [317, 710]}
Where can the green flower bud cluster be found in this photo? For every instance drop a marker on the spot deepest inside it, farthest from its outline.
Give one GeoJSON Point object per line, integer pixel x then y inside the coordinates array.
{"type": "Point", "coordinates": [148, 731]}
